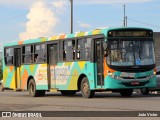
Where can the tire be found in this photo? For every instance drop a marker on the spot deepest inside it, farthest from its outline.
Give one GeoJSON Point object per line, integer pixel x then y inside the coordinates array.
{"type": "Point", "coordinates": [68, 92]}
{"type": "Point", "coordinates": [85, 89]}
{"type": "Point", "coordinates": [32, 89]}
{"type": "Point", "coordinates": [145, 91]}
{"type": "Point", "coordinates": [1, 88]}
{"type": "Point", "coordinates": [126, 92]}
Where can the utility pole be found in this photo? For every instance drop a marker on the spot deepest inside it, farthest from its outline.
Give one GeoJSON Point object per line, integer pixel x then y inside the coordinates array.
{"type": "Point", "coordinates": [124, 21]}
{"type": "Point", "coordinates": [125, 17]}
{"type": "Point", "coordinates": [71, 16]}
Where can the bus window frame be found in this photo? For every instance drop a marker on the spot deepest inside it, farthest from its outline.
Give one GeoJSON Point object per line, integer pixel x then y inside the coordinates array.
{"type": "Point", "coordinates": [44, 53]}
{"type": "Point", "coordinates": [63, 49]}
{"type": "Point", "coordinates": [23, 54]}
{"type": "Point", "coordinates": [7, 56]}
{"type": "Point", "coordinates": [33, 44]}
{"type": "Point", "coordinates": [76, 39]}
{"type": "Point", "coordinates": [84, 49]}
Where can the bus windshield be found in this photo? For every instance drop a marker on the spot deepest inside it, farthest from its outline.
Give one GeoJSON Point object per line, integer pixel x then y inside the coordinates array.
{"type": "Point", "coordinates": [130, 52]}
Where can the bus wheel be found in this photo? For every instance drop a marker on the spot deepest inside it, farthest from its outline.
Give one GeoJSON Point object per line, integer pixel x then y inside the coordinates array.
{"type": "Point", "coordinates": [32, 89]}
{"type": "Point", "coordinates": [145, 91]}
{"type": "Point", "coordinates": [68, 92]}
{"type": "Point", "coordinates": [126, 92]}
{"type": "Point", "coordinates": [85, 89]}
{"type": "Point", "coordinates": [1, 88]}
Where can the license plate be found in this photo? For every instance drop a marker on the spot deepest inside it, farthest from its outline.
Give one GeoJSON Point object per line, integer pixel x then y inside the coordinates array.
{"type": "Point", "coordinates": [135, 83]}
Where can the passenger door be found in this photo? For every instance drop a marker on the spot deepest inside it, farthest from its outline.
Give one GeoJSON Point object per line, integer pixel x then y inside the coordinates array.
{"type": "Point", "coordinates": [52, 62]}
{"type": "Point", "coordinates": [17, 59]}
{"type": "Point", "coordinates": [99, 62]}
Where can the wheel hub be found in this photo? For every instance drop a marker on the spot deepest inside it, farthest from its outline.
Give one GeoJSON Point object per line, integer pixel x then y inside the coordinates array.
{"type": "Point", "coordinates": [85, 88]}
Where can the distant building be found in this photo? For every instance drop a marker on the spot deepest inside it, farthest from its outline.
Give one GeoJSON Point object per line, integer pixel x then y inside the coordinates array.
{"type": "Point", "coordinates": [157, 47]}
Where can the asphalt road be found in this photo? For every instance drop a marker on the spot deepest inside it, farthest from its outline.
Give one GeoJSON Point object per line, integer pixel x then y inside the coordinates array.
{"type": "Point", "coordinates": [21, 101]}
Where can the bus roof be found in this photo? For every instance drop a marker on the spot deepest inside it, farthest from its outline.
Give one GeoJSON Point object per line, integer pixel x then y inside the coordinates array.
{"type": "Point", "coordinates": [63, 36]}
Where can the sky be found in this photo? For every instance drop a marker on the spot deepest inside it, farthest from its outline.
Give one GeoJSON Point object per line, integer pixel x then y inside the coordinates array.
{"type": "Point", "coordinates": [27, 19]}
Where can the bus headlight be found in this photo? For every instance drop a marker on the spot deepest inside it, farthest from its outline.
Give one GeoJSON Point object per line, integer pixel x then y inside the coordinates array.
{"type": "Point", "coordinates": [151, 76]}
{"type": "Point", "coordinates": [110, 73]}
{"type": "Point", "coordinates": [116, 77]}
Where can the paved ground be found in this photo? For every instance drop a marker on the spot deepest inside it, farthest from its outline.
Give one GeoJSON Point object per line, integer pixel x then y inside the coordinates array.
{"type": "Point", "coordinates": [21, 101]}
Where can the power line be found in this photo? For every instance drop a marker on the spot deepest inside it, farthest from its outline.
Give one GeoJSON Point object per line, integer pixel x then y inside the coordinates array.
{"type": "Point", "coordinates": [137, 21]}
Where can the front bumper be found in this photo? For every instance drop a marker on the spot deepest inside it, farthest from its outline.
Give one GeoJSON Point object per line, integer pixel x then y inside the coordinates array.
{"type": "Point", "coordinates": [111, 83]}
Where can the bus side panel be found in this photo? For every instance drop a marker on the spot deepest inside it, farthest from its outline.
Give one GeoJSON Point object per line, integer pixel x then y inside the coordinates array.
{"type": "Point", "coordinates": [9, 77]}
{"type": "Point", "coordinates": [38, 72]}
{"type": "Point", "coordinates": [91, 74]}
{"type": "Point", "coordinates": [67, 74]}
{"type": "Point", "coordinates": [41, 77]}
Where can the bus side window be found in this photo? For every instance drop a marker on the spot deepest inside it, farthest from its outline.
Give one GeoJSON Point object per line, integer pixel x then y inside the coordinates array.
{"type": "Point", "coordinates": [64, 52]}
{"type": "Point", "coordinates": [8, 56]}
{"type": "Point", "coordinates": [36, 58]}
{"type": "Point", "coordinates": [87, 48]}
{"type": "Point", "coordinates": [60, 51]}
{"type": "Point", "coordinates": [64, 55]}
{"type": "Point", "coordinates": [69, 50]}
{"type": "Point", "coordinates": [39, 53]}
{"type": "Point", "coordinates": [79, 47]}
{"type": "Point", "coordinates": [78, 54]}
{"type": "Point", "coordinates": [27, 52]}
{"type": "Point", "coordinates": [84, 48]}
{"type": "Point", "coordinates": [74, 49]}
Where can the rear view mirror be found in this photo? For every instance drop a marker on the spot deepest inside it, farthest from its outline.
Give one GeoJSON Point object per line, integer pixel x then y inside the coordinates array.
{"type": "Point", "coordinates": [106, 49]}
{"type": "Point", "coordinates": [105, 45]}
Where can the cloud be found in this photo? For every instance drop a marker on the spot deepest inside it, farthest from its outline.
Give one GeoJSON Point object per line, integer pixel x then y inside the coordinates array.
{"type": "Point", "coordinates": [60, 4]}
{"type": "Point", "coordinates": [43, 19]}
{"type": "Point", "coordinates": [84, 25]}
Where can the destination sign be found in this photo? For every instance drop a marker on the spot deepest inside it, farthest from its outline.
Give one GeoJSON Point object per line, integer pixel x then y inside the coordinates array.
{"type": "Point", "coordinates": [130, 33]}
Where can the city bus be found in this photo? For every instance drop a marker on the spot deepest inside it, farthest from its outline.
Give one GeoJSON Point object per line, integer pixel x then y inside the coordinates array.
{"type": "Point", "coordinates": [110, 59]}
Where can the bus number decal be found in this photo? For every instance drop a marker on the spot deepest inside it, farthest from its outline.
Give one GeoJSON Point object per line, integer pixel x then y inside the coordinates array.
{"type": "Point", "coordinates": [60, 74]}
